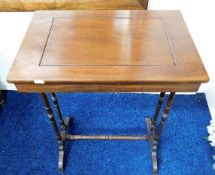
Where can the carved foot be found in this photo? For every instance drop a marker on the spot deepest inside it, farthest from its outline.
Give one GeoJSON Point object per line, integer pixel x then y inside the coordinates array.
{"type": "Point", "coordinates": [68, 122]}
{"type": "Point", "coordinates": [154, 143]}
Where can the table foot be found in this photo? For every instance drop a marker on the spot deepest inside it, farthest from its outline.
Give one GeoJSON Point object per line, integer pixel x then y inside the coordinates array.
{"type": "Point", "coordinates": [61, 157]}
{"type": "Point", "coordinates": [154, 158]}
{"type": "Point", "coordinates": [151, 132]}
{"type": "Point", "coordinates": [61, 144]}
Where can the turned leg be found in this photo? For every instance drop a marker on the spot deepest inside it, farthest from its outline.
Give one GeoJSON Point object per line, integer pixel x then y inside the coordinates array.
{"type": "Point", "coordinates": [51, 116]}
{"type": "Point", "coordinates": [154, 144]}
{"type": "Point", "coordinates": [151, 122]}
{"type": "Point", "coordinates": [160, 102]}
{"type": "Point", "coordinates": [56, 130]}
{"type": "Point", "coordinates": [59, 114]}
{"type": "Point", "coordinates": [157, 132]}
{"type": "Point", "coordinates": [154, 133]}
{"type": "Point", "coordinates": [165, 114]}
{"type": "Point", "coordinates": [157, 111]}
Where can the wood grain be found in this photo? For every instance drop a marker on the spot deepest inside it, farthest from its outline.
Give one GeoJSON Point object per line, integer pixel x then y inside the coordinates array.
{"type": "Point", "coordinates": [168, 87]}
{"type": "Point", "coordinates": [32, 5]}
{"type": "Point", "coordinates": [107, 42]}
{"type": "Point", "coordinates": [135, 51]}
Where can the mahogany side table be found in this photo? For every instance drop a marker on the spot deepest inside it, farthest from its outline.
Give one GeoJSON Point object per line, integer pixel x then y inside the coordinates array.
{"type": "Point", "coordinates": [108, 51]}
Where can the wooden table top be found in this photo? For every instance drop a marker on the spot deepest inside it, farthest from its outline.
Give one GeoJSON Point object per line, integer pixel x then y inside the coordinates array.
{"type": "Point", "coordinates": [102, 50]}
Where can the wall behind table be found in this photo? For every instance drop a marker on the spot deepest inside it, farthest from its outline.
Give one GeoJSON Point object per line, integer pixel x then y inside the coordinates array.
{"type": "Point", "coordinates": [13, 26]}
{"type": "Point", "coordinates": [199, 16]}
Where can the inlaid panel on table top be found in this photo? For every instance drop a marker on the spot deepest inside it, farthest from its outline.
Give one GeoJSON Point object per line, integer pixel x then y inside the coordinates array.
{"type": "Point", "coordinates": [107, 42]}
{"type": "Point", "coordinates": [108, 47]}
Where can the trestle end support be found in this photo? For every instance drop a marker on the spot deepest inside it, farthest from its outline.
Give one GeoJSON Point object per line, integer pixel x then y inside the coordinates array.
{"type": "Point", "coordinates": [61, 144]}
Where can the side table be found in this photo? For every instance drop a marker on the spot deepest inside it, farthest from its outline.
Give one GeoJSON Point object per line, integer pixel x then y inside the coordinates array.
{"type": "Point", "coordinates": [108, 51]}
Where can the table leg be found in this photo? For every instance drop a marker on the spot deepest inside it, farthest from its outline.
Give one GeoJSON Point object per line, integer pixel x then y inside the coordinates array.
{"type": "Point", "coordinates": [154, 143]}
{"type": "Point", "coordinates": [152, 135]}
{"type": "Point", "coordinates": [64, 130]}
{"type": "Point", "coordinates": [59, 135]}
{"type": "Point", "coordinates": [55, 101]}
{"type": "Point", "coordinates": [157, 111]}
{"type": "Point", "coordinates": [51, 116]}
{"type": "Point", "coordinates": [155, 132]}
{"type": "Point", "coordinates": [165, 114]}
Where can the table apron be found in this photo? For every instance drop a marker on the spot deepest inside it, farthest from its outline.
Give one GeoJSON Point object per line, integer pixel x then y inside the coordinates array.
{"type": "Point", "coordinates": [148, 87]}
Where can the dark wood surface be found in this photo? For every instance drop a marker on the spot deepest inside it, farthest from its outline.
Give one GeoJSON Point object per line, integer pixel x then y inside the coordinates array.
{"type": "Point", "coordinates": [111, 87]}
{"type": "Point", "coordinates": [107, 42]}
{"type": "Point", "coordinates": [107, 51]}
{"type": "Point", "coordinates": [31, 5]}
